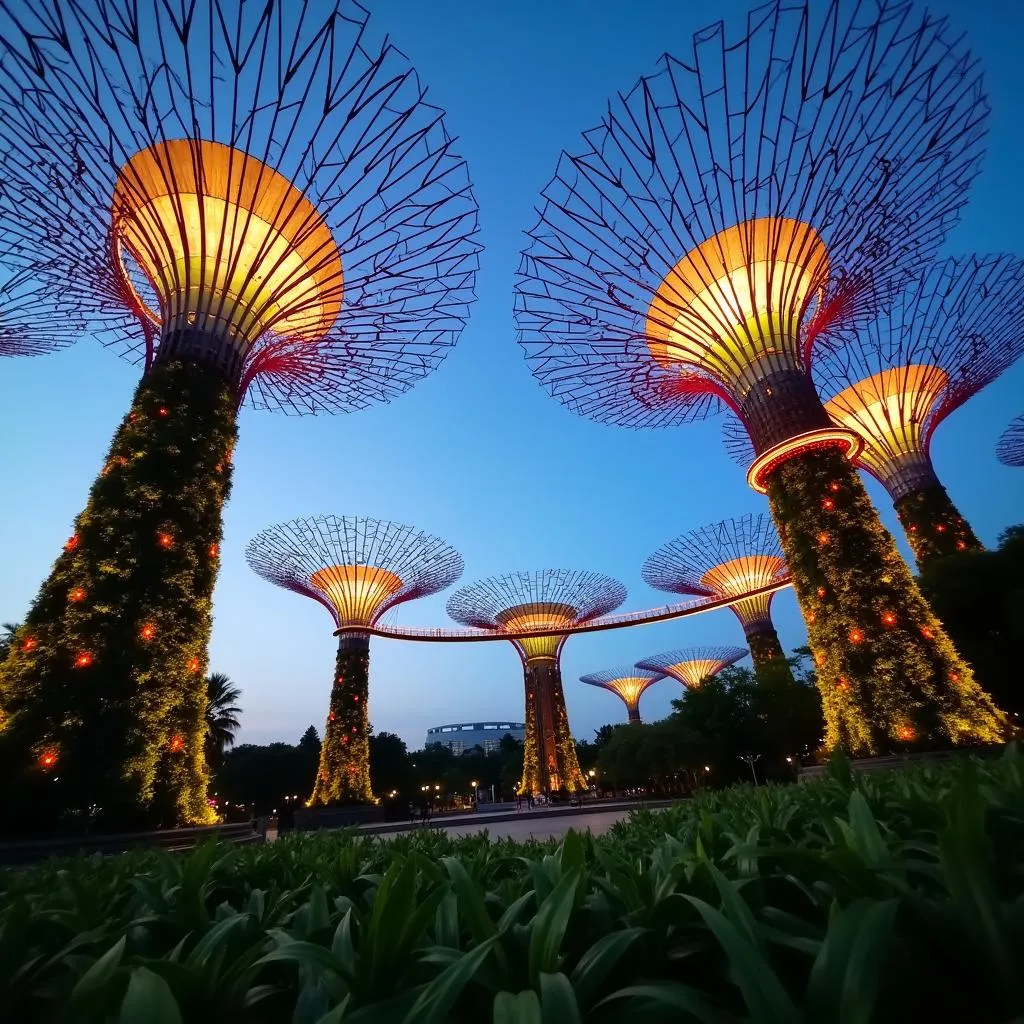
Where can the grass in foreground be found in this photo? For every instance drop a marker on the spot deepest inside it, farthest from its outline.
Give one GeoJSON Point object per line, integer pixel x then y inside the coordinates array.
{"type": "Point", "coordinates": [884, 898]}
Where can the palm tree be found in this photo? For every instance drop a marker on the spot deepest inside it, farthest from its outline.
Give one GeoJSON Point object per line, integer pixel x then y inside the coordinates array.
{"type": "Point", "coordinates": [7, 637]}
{"type": "Point", "coordinates": [221, 715]}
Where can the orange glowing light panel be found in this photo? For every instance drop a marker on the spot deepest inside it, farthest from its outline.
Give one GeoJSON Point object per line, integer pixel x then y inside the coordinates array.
{"type": "Point", "coordinates": [740, 576]}
{"type": "Point", "coordinates": [888, 410]}
{"type": "Point", "coordinates": [356, 592]}
{"type": "Point", "coordinates": [538, 615]}
{"type": "Point", "coordinates": [849, 442]}
{"type": "Point", "coordinates": [629, 688]}
{"type": "Point", "coordinates": [732, 308]}
{"type": "Point", "coordinates": [693, 673]}
{"type": "Point", "coordinates": [228, 244]}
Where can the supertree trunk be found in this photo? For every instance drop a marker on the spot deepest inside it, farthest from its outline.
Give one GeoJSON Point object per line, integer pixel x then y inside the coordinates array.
{"type": "Point", "coordinates": [934, 526]}
{"type": "Point", "coordinates": [124, 619]}
{"type": "Point", "coordinates": [549, 754]}
{"type": "Point", "coordinates": [344, 773]}
{"type": "Point", "coordinates": [888, 673]}
{"type": "Point", "coordinates": [766, 652]}
{"type": "Point", "coordinates": [633, 713]}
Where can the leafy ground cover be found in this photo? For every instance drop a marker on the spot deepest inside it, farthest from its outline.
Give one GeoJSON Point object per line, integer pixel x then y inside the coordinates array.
{"type": "Point", "coordinates": [891, 897]}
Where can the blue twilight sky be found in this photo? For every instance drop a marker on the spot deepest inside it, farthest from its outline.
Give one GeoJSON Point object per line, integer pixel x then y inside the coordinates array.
{"type": "Point", "coordinates": [478, 453]}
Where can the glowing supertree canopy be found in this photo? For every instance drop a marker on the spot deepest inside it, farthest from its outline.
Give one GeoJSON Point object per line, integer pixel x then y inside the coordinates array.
{"type": "Point", "coordinates": [691, 666]}
{"type": "Point", "coordinates": [34, 317]}
{"type": "Point", "coordinates": [257, 203]}
{"type": "Point", "coordinates": [1010, 447]}
{"type": "Point", "coordinates": [548, 599]}
{"type": "Point", "coordinates": [725, 559]}
{"type": "Point", "coordinates": [358, 569]}
{"type": "Point", "coordinates": [952, 331]}
{"type": "Point", "coordinates": [730, 210]}
{"type": "Point", "coordinates": [627, 683]}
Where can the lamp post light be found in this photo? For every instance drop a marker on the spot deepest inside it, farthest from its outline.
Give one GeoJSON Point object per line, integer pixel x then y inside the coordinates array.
{"type": "Point", "coordinates": [751, 759]}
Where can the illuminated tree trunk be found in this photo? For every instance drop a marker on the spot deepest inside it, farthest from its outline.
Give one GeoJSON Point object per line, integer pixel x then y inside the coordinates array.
{"type": "Point", "coordinates": [549, 753]}
{"type": "Point", "coordinates": [933, 525]}
{"type": "Point", "coordinates": [888, 673]}
{"type": "Point", "coordinates": [633, 713]}
{"type": "Point", "coordinates": [344, 773]}
{"type": "Point", "coordinates": [766, 652]}
{"type": "Point", "coordinates": [104, 692]}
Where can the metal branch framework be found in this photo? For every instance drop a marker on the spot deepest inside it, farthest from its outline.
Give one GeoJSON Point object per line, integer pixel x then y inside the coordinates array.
{"type": "Point", "coordinates": [957, 327]}
{"type": "Point", "coordinates": [740, 203]}
{"type": "Point", "coordinates": [548, 599]}
{"type": "Point", "coordinates": [726, 559]}
{"type": "Point", "coordinates": [691, 666]}
{"type": "Point", "coordinates": [268, 177]}
{"type": "Point", "coordinates": [1010, 447]}
{"type": "Point", "coordinates": [628, 683]}
{"type": "Point", "coordinates": [357, 568]}
{"type": "Point", "coordinates": [35, 317]}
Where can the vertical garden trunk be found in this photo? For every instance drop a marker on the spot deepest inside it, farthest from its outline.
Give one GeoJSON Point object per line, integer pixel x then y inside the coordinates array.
{"type": "Point", "coordinates": [933, 524]}
{"type": "Point", "coordinates": [103, 695]}
{"type": "Point", "coordinates": [549, 753]}
{"type": "Point", "coordinates": [344, 773]}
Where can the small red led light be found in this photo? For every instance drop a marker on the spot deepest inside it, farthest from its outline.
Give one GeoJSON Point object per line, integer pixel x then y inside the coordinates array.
{"type": "Point", "coordinates": [29, 643]}
{"type": "Point", "coordinates": [77, 594]}
{"type": "Point", "coordinates": [177, 743]}
{"type": "Point", "coordinates": [48, 759]}
{"type": "Point", "coordinates": [83, 660]}
{"type": "Point", "coordinates": [148, 631]}
{"type": "Point", "coordinates": [889, 618]}
{"type": "Point", "coordinates": [856, 636]}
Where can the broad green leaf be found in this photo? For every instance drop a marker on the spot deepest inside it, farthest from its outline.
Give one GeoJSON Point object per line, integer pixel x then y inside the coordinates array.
{"type": "Point", "coordinates": [549, 927]}
{"type": "Point", "coordinates": [592, 970]}
{"type": "Point", "coordinates": [766, 999]}
{"type": "Point", "coordinates": [517, 1008]}
{"type": "Point", "coordinates": [843, 985]}
{"type": "Point", "coordinates": [869, 842]}
{"type": "Point", "coordinates": [148, 1000]}
{"type": "Point", "coordinates": [337, 1014]}
{"type": "Point", "coordinates": [676, 996]}
{"type": "Point", "coordinates": [558, 1001]}
{"type": "Point", "coordinates": [437, 999]}
{"type": "Point", "coordinates": [100, 972]}
{"type": "Point", "coordinates": [305, 954]}
{"type": "Point", "coordinates": [735, 908]}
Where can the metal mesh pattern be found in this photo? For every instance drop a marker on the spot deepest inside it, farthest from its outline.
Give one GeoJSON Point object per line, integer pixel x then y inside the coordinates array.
{"type": "Point", "coordinates": [692, 665]}
{"type": "Point", "coordinates": [355, 567]}
{"type": "Point", "coordinates": [1010, 448]}
{"type": "Point", "coordinates": [815, 161]}
{"type": "Point", "coordinates": [306, 89]}
{"type": "Point", "coordinates": [35, 317]}
{"type": "Point", "coordinates": [721, 560]}
{"type": "Point", "coordinates": [576, 595]}
{"type": "Point", "coordinates": [626, 682]}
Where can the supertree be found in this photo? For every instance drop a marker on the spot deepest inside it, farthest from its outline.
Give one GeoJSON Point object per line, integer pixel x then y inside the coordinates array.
{"type": "Point", "coordinates": [358, 569]}
{"type": "Point", "coordinates": [693, 665]}
{"type": "Point", "coordinates": [952, 331]}
{"type": "Point", "coordinates": [725, 559]}
{"type": "Point", "coordinates": [1010, 447]}
{"type": "Point", "coordinates": [628, 683]}
{"type": "Point", "coordinates": [548, 599]}
{"type": "Point", "coordinates": [256, 202]}
{"type": "Point", "coordinates": [730, 211]}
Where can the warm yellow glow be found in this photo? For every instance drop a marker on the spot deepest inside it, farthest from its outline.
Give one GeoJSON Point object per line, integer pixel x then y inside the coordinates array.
{"type": "Point", "coordinates": [538, 615]}
{"type": "Point", "coordinates": [733, 306]}
{"type": "Point", "coordinates": [629, 688]}
{"type": "Point", "coordinates": [693, 673]}
{"type": "Point", "coordinates": [888, 411]}
{"type": "Point", "coordinates": [229, 245]}
{"type": "Point", "coordinates": [849, 442]}
{"type": "Point", "coordinates": [750, 572]}
{"type": "Point", "coordinates": [356, 592]}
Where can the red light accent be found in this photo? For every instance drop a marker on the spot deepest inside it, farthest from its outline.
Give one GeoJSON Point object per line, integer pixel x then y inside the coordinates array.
{"type": "Point", "coordinates": [48, 759]}
{"type": "Point", "coordinates": [834, 486]}
{"type": "Point", "coordinates": [177, 743]}
{"type": "Point", "coordinates": [148, 631]}
{"type": "Point", "coordinates": [819, 659]}
{"type": "Point", "coordinates": [71, 543]}
{"type": "Point", "coordinates": [889, 618]}
{"type": "Point", "coordinates": [77, 594]}
{"type": "Point", "coordinates": [823, 537]}
{"type": "Point", "coordinates": [165, 540]}
{"type": "Point", "coordinates": [906, 733]}
{"type": "Point", "coordinates": [330, 717]}
{"type": "Point", "coordinates": [842, 684]}
{"type": "Point", "coordinates": [941, 528]}
{"type": "Point", "coordinates": [822, 591]}
{"type": "Point", "coordinates": [344, 739]}
{"type": "Point", "coordinates": [856, 636]}
{"type": "Point", "coordinates": [913, 528]}
{"type": "Point", "coordinates": [162, 411]}
{"type": "Point", "coordinates": [927, 633]}
{"type": "Point", "coordinates": [810, 617]}
{"type": "Point", "coordinates": [828, 504]}
{"type": "Point", "coordinates": [954, 677]}
{"type": "Point", "coordinates": [83, 660]}
{"type": "Point", "coordinates": [213, 550]}
{"type": "Point", "coordinates": [193, 664]}
{"type": "Point", "coordinates": [218, 468]}
{"type": "Point", "coordinates": [961, 546]}
{"type": "Point", "coordinates": [355, 697]}
{"type": "Point", "coordinates": [354, 729]}
{"type": "Point", "coordinates": [29, 643]}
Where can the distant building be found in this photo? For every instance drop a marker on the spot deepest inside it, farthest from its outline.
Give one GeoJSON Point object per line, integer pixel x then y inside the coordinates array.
{"type": "Point", "coordinates": [463, 737]}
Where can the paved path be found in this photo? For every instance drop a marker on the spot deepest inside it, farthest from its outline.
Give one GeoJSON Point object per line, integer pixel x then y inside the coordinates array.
{"type": "Point", "coordinates": [533, 826]}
